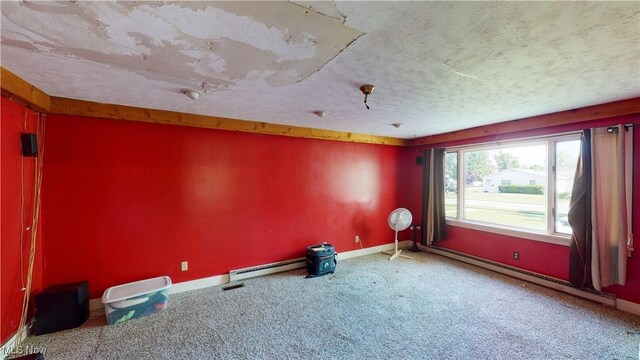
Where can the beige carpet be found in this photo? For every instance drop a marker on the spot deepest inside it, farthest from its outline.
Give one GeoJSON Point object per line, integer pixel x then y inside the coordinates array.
{"type": "Point", "coordinates": [371, 308]}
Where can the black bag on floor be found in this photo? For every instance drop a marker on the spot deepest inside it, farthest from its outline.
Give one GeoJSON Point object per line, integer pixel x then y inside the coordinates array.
{"type": "Point", "coordinates": [321, 260]}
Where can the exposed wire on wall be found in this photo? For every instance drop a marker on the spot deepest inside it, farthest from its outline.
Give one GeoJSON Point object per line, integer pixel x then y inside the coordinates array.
{"type": "Point", "coordinates": [22, 229]}
{"type": "Point", "coordinates": [35, 218]}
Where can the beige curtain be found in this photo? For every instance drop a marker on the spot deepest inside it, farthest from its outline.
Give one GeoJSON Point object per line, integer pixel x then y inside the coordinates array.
{"type": "Point", "coordinates": [611, 205]}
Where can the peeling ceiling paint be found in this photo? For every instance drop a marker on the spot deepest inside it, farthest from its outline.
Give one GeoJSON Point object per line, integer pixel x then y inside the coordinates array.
{"type": "Point", "coordinates": [160, 42]}
{"type": "Point", "coordinates": [437, 66]}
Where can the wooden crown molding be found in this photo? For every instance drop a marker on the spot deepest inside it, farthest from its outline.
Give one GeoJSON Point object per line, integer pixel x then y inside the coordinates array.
{"type": "Point", "coordinates": [18, 89]}
{"type": "Point", "coordinates": [66, 106]}
{"type": "Point", "coordinates": [595, 112]}
{"type": "Point", "coordinates": [15, 87]}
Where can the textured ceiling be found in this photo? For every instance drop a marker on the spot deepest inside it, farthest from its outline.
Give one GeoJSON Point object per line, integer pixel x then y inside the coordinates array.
{"type": "Point", "coordinates": [437, 66]}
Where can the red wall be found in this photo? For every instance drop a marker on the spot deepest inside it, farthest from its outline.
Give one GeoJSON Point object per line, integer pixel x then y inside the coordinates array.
{"type": "Point", "coordinates": [544, 258]}
{"type": "Point", "coordinates": [12, 117]}
{"type": "Point", "coordinates": [125, 201]}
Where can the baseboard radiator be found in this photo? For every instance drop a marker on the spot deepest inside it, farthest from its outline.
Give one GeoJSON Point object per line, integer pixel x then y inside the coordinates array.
{"type": "Point", "coordinates": [255, 271]}
{"type": "Point", "coordinates": [539, 279]}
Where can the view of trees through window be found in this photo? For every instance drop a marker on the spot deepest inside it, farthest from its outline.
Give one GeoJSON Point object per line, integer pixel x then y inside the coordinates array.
{"type": "Point", "coordinates": [509, 185]}
{"type": "Point", "coordinates": [451, 184]}
{"type": "Point", "coordinates": [567, 153]}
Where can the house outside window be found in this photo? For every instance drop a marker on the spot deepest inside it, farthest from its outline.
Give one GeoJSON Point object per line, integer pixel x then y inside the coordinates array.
{"type": "Point", "coordinates": [520, 188]}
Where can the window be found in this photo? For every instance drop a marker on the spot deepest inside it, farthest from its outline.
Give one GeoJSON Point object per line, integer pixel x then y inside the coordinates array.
{"type": "Point", "coordinates": [567, 153]}
{"type": "Point", "coordinates": [451, 184]}
{"type": "Point", "coordinates": [513, 188]}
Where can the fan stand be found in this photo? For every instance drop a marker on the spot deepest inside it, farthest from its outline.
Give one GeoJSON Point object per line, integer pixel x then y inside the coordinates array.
{"type": "Point", "coordinates": [414, 247]}
{"type": "Point", "coordinates": [396, 253]}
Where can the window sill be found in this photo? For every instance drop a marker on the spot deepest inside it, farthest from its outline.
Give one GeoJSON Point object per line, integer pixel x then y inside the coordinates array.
{"type": "Point", "coordinates": [552, 239]}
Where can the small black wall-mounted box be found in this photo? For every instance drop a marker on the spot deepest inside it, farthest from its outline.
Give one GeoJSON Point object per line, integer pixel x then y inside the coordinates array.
{"type": "Point", "coordinates": [29, 144]}
{"type": "Point", "coordinates": [61, 307]}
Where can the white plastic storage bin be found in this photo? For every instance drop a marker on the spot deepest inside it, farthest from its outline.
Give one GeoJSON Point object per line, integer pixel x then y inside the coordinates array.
{"type": "Point", "coordinates": [136, 299]}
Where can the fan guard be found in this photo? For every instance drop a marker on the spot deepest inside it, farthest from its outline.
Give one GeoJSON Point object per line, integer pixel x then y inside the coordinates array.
{"type": "Point", "coordinates": [399, 219]}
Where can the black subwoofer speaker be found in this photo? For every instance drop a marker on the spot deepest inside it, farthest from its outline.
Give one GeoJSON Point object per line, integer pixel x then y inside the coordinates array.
{"type": "Point", "coordinates": [62, 307]}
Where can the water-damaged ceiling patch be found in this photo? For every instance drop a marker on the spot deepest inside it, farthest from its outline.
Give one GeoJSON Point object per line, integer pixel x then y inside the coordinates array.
{"type": "Point", "coordinates": [219, 43]}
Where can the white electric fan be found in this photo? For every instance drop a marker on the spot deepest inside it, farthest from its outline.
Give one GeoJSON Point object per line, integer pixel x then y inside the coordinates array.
{"type": "Point", "coordinates": [399, 220]}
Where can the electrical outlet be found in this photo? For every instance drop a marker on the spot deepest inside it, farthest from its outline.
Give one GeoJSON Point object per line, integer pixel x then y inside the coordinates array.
{"type": "Point", "coordinates": [184, 265]}
{"type": "Point", "coordinates": [516, 255]}
{"type": "Point", "coordinates": [357, 239]}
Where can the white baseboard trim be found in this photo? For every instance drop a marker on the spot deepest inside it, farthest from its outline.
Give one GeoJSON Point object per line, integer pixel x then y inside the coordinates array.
{"type": "Point", "coordinates": [374, 249]}
{"type": "Point", "coordinates": [628, 306]}
{"type": "Point", "coordinates": [11, 345]}
{"type": "Point", "coordinates": [199, 283]}
{"type": "Point", "coordinates": [96, 304]}
{"type": "Point", "coordinates": [540, 279]}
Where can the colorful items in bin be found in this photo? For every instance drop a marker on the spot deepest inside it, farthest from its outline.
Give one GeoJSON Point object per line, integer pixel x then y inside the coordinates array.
{"type": "Point", "coordinates": [136, 299]}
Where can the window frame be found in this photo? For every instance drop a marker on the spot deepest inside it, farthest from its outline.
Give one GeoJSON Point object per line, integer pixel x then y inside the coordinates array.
{"type": "Point", "coordinates": [549, 235]}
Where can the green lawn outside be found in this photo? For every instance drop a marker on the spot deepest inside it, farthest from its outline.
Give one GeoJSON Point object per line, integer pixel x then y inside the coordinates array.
{"type": "Point", "coordinates": [527, 220]}
{"type": "Point", "coordinates": [520, 214]}
{"type": "Point", "coordinates": [476, 193]}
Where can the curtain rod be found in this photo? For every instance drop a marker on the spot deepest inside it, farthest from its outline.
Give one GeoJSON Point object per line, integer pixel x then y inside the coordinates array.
{"type": "Point", "coordinates": [611, 129]}
{"type": "Point", "coordinates": [514, 140]}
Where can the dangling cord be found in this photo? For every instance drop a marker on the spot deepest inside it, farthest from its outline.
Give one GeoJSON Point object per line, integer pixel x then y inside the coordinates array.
{"type": "Point", "coordinates": [22, 229]}
{"type": "Point", "coordinates": [365, 101]}
{"type": "Point", "coordinates": [35, 218]}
